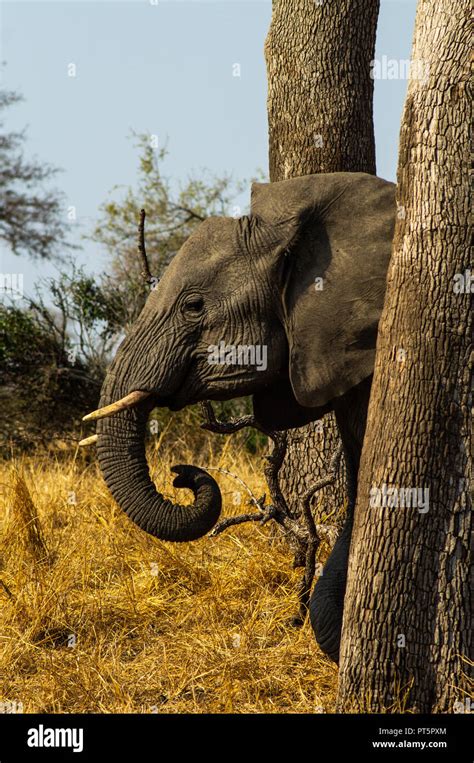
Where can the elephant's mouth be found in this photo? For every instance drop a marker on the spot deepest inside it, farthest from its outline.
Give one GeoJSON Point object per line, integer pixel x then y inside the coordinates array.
{"type": "Point", "coordinates": [235, 385]}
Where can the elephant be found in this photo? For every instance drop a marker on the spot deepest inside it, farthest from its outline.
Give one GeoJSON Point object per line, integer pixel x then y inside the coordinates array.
{"type": "Point", "coordinates": [281, 304]}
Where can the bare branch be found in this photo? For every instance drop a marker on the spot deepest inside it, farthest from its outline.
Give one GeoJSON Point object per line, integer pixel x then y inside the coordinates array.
{"type": "Point", "coordinates": [192, 214]}
{"type": "Point", "coordinates": [142, 248]}
{"type": "Point", "coordinates": [212, 424]}
{"type": "Point", "coordinates": [306, 539]}
{"type": "Point", "coordinates": [266, 514]}
{"type": "Point", "coordinates": [258, 502]}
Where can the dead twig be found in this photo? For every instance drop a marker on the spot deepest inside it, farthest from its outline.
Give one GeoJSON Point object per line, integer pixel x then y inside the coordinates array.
{"type": "Point", "coordinates": [7, 590]}
{"type": "Point", "coordinates": [142, 248]}
{"type": "Point", "coordinates": [212, 424]}
{"type": "Point", "coordinates": [267, 513]}
{"type": "Point", "coordinates": [259, 503]}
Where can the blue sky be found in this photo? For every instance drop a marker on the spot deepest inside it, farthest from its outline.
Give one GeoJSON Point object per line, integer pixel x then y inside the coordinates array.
{"type": "Point", "coordinates": [166, 69]}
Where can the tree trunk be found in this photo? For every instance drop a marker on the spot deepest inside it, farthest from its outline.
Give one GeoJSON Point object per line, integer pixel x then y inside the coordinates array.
{"type": "Point", "coordinates": [406, 618]}
{"type": "Point", "coordinates": [320, 120]}
{"type": "Point", "coordinates": [307, 459]}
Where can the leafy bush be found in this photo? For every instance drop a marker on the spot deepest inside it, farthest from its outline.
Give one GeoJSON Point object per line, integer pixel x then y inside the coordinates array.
{"type": "Point", "coordinates": [43, 393]}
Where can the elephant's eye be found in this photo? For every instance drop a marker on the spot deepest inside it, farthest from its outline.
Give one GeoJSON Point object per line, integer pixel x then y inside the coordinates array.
{"type": "Point", "coordinates": [194, 305]}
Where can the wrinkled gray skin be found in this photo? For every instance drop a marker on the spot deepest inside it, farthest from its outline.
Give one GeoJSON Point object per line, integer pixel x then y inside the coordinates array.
{"type": "Point", "coordinates": [251, 281]}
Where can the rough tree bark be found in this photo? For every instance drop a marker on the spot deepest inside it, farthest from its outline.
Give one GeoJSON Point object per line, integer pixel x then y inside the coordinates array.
{"type": "Point", "coordinates": [320, 120]}
{"type": "Point", "coordinates": [406, 621]}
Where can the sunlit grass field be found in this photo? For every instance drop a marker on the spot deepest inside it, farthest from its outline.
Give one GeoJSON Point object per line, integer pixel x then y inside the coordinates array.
{"type": "Point", "coordinates": [98, 617]}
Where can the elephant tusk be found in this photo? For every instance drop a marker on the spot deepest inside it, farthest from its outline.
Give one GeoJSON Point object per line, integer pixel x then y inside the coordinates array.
{"type": "Point", "coordinates": [89, 441]}
{"type": "Point", "coordinates": [126, 402]}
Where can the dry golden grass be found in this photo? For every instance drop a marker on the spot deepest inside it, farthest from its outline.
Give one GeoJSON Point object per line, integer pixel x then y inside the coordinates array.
{"type": "Point", "coordinates": [96, 616]}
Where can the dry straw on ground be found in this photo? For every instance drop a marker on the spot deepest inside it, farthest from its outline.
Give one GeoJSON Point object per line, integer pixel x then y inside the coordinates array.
{"type": "Point", "coordinates": [96, 616]}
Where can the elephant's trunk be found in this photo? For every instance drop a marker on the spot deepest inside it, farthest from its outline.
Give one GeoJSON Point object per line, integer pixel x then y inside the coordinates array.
{"type": "Point", "coordinates": [122, 459]}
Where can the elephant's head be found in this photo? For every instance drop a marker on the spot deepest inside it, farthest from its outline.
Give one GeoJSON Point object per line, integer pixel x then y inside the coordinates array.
{"type": "Point", "coordinates": [282, 304]}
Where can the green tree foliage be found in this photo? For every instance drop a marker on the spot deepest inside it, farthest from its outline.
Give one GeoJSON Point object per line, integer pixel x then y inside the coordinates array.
{"type": "Point", "coordinates": [53, 354]}
{"type": "Point", "coordinates": [172, 215]}
{"type": "Point", "coordinates": [44, 387]}
{"type": "Point", "coordinates": [30, 215]}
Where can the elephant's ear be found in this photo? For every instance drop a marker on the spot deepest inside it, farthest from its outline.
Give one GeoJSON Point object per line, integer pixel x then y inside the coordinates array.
{"type": "Point", "coordinates": [335, 231]}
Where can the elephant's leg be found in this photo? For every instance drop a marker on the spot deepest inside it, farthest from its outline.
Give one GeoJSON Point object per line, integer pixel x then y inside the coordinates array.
{"type": "Point", "coordinates": [326, 605]}
{"type": "Point", "coordinates": [327, 600]}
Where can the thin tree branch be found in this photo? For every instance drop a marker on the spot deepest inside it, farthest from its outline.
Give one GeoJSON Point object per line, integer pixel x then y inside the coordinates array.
{"type": "Point", "coordinates": [228, 427]}
{"type": "Point", "coordinates": [258, 502]}
{"type": "Point", "coordinates": [190, 212]}
{"type": "Point", "coordinates": [142, 248]}
{"type": "Point", "coordinates": [267, 513]}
